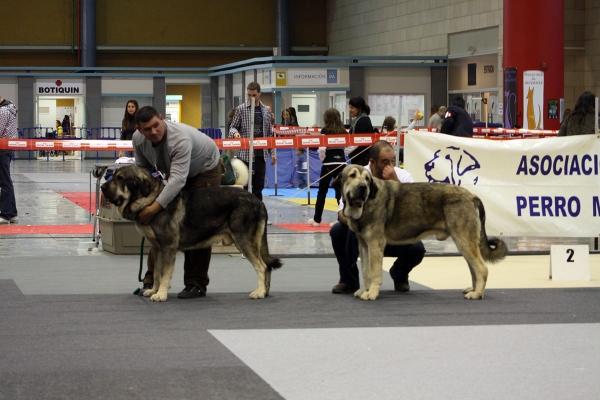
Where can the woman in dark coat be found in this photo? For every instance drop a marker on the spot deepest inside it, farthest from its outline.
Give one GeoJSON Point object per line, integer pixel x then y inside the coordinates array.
{"type": "Point", "coordinates": [128, 125]}
{"type": "Point", "coordinates": [361, 123]}
{"type": "Point", "coordinates": [582, 120]}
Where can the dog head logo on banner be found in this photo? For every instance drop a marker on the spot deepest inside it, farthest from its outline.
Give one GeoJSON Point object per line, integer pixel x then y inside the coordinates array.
{"type": "Point", "coordinates": [452, 165]}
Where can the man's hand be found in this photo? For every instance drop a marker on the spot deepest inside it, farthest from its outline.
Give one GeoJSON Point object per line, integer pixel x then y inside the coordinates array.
{"type": "Point", "coordinates": [273, 160]}
{"type": "Point", "coordinates": [342, 218]}
{"type": "Point", "coordinates": [146, 215]}
{"type": "Point", "coordinates": [389, 174]}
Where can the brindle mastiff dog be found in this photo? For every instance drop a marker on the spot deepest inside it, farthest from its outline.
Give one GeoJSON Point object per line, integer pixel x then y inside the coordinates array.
{"type": "Point", "coordinates": [384, 212]}
{"type": "Point", "coordinates": [196, 218]}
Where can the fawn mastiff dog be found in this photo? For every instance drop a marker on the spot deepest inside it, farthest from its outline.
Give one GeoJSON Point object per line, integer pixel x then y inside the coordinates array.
{"type": "Point", "coordinates": [196, 218]}
{"type": "Point", "coordinates": [384, 212]}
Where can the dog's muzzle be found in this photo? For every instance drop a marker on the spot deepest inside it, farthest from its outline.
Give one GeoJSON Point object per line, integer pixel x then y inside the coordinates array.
{"type": "Point", "coordinates": [357, 196]}
{"type": "Point", "coordinates": [117, 202]}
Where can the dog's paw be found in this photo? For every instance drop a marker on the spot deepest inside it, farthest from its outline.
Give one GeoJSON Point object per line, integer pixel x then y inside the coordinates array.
{"type": "Point", "coordinates": [370, 295]}
{"type": "Point", "coordinates": [257, 294]}
{"type": "Point", "coordinates": [468, 290]}
{"type": "Point", "coordinates": [158, 297]}
{"type": "Point", "coordinates": [474, 295]}
{"type": "Point", "coordinates": [359, 292]}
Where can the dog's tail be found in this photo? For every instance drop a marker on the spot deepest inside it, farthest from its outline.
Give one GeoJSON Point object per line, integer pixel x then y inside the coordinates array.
{"type": "Point", "coordinates": [491, 249]}
{"type": "Point", "coordinates": [272, 262]}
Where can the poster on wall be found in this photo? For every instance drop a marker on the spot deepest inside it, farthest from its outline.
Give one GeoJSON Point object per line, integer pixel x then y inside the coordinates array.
{"type": "Point", "coordinates": [553, 109]}
{"type": "Point", "coordinates": [533, 99]}
{"type": "Point", "coordinates": [266, 81]}
{"type": "Point", "coordinates": [472, 74]}
{"type": "Point", "coordinates": [509, 105]}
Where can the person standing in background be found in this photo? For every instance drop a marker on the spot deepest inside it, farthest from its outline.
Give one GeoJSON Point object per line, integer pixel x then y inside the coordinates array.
{"type": "Point", "coordinates": [436, 119]}
{"type": "Point", "coordinates": [566, 114]}
{"type": "Point", "coordinates": [272, 116]}
{"type": "Point", "coordinates": [301, 168]}
{"type": "Point", "coordinates": [240, 128]}
{"type": "Point", "coordinates": [333, 160]}
{"type": "Point", "coordinates": [59, 130]}
{"type": "Point", "coordinates": [433, 110]}
{"type": "Point", "coordinates": [287, 119]}
{"type": "Point", "coordinates": [457, 122]}
{"type": "Point", "coordinates": [66, 125]}
{"type": "Point", "coordinates": [582, 120]}
{"type": "Point", "coordinates": [361, 123]}
{"type": "Point", "coordinates": [389, 124]}
{"type": "Point", "coordinates": [293, 116]}
{"type": "Point", "coordinates": [128, 125]}
{"type": "Point", "coordinates": [8, 130]}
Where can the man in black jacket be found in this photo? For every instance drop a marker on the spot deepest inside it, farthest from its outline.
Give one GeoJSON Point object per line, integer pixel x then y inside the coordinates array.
{"type": "Point", "coordinates": [457, 121]}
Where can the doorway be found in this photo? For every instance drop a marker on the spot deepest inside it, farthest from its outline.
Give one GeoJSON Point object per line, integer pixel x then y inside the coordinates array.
{"type": "Point", "coordinates": [173, 110]}
{"type": "Point", "coordinates": [51, 111]}
{"type": "Point", "coordinates": [306, 108]}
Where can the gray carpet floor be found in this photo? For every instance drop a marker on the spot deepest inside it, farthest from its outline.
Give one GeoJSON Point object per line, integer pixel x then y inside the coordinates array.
{"type": "Point", "coordinates": [72, 329]}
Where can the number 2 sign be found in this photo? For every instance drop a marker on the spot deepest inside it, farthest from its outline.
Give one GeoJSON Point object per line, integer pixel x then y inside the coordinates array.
{"type": "Point", "coordinates": [570, 262]}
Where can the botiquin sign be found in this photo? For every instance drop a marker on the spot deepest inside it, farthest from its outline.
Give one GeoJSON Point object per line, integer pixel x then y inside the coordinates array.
{"type": "Point", "coordinates": [59, 87]}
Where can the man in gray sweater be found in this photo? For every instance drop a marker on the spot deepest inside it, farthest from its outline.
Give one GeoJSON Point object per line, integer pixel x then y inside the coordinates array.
{"type": "Point", "coordinates": [184, 156]}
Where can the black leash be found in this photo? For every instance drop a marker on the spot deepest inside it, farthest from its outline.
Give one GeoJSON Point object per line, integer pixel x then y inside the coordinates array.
{"type": "Point", "coordinates": [137, 291]}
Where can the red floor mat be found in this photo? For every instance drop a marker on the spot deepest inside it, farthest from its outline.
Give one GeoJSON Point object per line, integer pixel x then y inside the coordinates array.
{"type": "Point", "coordinates": [16, 229]}
{"type": "Point", "coordinates": [304, 227]}
{"type": "Point", "coordinates": [82, 199]}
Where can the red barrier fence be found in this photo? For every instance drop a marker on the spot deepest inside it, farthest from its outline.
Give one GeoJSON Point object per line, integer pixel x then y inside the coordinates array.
{"type": "Point", "coordinates": [291, 137]}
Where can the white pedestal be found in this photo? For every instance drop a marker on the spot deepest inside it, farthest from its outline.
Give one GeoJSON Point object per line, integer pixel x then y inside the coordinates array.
{"type": "Point", "coordinates": [570, 262]}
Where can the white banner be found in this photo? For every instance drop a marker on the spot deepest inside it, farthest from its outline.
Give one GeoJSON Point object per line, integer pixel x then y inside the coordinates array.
{"type": "Point", "coordinates": [529, 187]}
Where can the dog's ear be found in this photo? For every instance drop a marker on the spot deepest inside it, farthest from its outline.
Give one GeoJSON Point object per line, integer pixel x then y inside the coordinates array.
{"type": "Point", "coordinates": [98, 172]}
{"type": "Point", "coordinates": [145, 183]}
{"type": "Point", "coordinates": [129, 178]}
{"type": "Point", "coordinates": [372, 188]}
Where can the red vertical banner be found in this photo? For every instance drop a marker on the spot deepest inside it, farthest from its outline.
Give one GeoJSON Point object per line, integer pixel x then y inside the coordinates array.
{"type": "Point", "coordinates": [533, 39]}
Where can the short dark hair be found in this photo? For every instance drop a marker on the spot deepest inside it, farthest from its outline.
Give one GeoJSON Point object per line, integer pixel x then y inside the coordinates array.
{"type": "Point", "coordinates": [377, 147]}
{"type": "Point", "coordinates": [145, 114]}
{"type": "Point", "coordinates": [253, 86]}
{"type": "Point", "coordinates": [458, 101]}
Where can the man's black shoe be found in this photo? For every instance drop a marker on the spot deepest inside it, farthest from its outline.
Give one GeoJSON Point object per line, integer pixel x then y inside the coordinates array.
{"type": "Point", "coordinates": [147, 286]}
{"type": "Point", "coordinates": [191, 292]}
{"type": "Point", "coordinates": [344, 288]}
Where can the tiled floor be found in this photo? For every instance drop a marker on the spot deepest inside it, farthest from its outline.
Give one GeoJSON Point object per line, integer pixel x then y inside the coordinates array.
{"type": "Point", "coordinates": [39, 182]}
